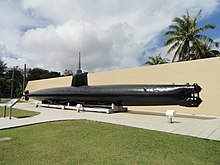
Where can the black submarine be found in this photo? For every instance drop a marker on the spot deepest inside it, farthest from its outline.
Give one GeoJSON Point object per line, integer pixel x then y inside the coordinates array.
{"type": "Point", "coordinates": [120, 95]}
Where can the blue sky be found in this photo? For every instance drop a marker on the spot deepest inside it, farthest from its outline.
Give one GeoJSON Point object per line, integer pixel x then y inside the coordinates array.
{"type": "Point", "coordinates": [213, 19]}
{"type": "Point", "coordinates": [110, 34]}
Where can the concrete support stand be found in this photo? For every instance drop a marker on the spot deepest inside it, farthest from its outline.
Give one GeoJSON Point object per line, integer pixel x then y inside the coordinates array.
{"type": "Point", "coordinates": [80, 107]}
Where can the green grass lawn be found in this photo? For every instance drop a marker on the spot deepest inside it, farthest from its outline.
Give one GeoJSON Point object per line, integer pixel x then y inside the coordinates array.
{"type": "Point", "coordinates": [89, 142]}
{"type": "Point", "coordinates": [18, 113]}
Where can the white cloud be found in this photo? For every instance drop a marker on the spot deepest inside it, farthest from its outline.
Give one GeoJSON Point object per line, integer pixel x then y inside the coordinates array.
{"type": "Point", "coordinates": [2, 49]}
{"type": "Point", "coordinates": [10, 19]}
{"type": "Point", "coordinates": [142, 15]}
{"type": "Point", "coordinates": [110, 34]}
{"type": "Point", "coordinates": [58, 46]}
{"type": "Point", "coordinates": [13, 21]}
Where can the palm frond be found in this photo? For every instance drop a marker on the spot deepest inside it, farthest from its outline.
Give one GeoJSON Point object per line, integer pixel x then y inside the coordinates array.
{"type": "Point", "coordinates": [173, 47]}
{"type": "Point", "coordinates": [174, 56]}
{"type": "Point", "coordinates": [169, 33]}
{"type": "Point", "coordinates": [174, 27]}
{"type": "Point", "coordinates": [193, 22]}
{"type": "Point", "coordinates": [179, 21]}
{"type": "Point", "coordinates": [216, 44]}
{"type": "Point", "coordinates": [199, 14]}
{"type": "Point", "coordinates": [205, 38]}
{"type": "Point", "coordinates": [216, 53]}
{"type": "Point", "coordinates": [172, 40]}
{"type": "Point", "coordinates": [205, 27]}
{"type": "Point", "coordinates": [179, 51]}
{"type": "Point", "coordinates": [194, 19]}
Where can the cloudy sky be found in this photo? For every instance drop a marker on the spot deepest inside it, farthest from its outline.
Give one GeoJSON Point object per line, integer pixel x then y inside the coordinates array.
{"type": "Point", "coordinates": [109, 34]}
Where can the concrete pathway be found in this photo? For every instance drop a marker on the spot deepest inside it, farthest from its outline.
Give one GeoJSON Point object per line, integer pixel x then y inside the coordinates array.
{"type": "Point", "coordinates": [206, 127]}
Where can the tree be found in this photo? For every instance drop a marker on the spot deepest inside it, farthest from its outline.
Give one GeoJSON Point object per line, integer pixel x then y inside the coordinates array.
{"type": "Point", "coordinates": [67, 72]}
{"type": "Point", "coordinates": [17, 81]}
{"type": "Point", "coordinates": [2, 67]}
{"type": "Point", "coordinates": [155, 60]}
{"type": "Point", "coordinates": [38, 73]}
{"type": "Point", "coordinates": [3, 82]}
{"type": "Point", "coordinates": [6, 78]}
{"type": "Point", "coordinates": [185, 34]}
{"type": "Point", "coordinates": [4, 87]}
{"type": "Point", "coordinates": [202, 50]}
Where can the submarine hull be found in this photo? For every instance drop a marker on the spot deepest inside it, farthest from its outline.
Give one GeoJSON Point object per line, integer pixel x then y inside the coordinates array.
{"type": "Point", "coordinates": [122, 95]}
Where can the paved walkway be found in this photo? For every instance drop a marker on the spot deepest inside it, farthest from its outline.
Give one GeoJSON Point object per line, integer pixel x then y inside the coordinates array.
{"type": "Point", "coordinates": [207, 128]}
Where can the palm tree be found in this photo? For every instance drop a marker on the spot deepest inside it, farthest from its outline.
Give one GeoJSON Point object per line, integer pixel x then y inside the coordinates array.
{"type": "Point", "coordinates": [202, 50]}
{"type": "Point", "coordinates": [184, 34]}
{"type": "Point", "coordinates": [155, 60]}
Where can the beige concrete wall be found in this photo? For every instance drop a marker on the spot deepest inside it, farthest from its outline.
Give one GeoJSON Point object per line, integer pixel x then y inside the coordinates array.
{"type": "Point", "coordinates": [205, 72]}
{"type": "Point", "coordinates": [49, 83]}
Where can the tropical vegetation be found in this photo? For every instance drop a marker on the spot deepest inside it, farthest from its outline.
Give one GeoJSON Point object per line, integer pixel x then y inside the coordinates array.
{"type": "Point", "coordinates": [155, 60]}
{"type": "Point", "coordinates": [203, 50]}
{"type": "Point", "coordinates": [187, 41]}
{"type": "Point", "coordinates": [15, 75]}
